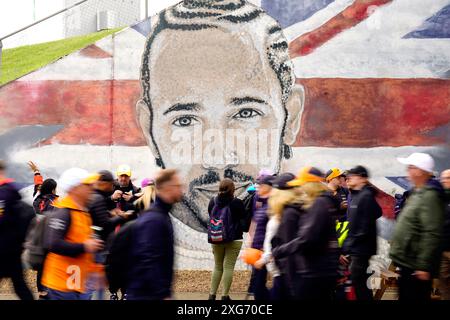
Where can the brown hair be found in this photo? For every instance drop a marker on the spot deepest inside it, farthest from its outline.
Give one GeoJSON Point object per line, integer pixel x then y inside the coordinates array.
{"type": "Point", "coordinates": [2, 165]}
{"type": "Point", "coordinates": [226, 188]}
{"type": "Point", "coordinates": [164, 176]}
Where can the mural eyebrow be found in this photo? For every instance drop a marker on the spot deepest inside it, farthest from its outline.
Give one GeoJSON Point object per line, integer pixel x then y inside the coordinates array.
{"type": "Point", "coordinates": [239, 101]}
{"type": "Point", "coordinates": [183, 107]}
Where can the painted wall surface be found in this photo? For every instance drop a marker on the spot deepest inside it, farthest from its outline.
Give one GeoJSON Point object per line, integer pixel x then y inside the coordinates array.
{"type": "Point", "coordinates": [340, 83]}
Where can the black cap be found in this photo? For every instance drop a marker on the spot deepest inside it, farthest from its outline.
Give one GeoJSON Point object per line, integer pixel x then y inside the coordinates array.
{"type": "Point", "coordinates": [281, 181]}
{"type": "Point", "coordinates": [106, 176]}
{"type": "Point", "coordinates": [267, 179]}
{"type": "Point", "coordinates": [358, 171]}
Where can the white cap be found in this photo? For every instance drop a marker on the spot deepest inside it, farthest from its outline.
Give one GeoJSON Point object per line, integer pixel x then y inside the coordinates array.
{"type": "Point", "coordinates": [420, 160]}
{"type": "Point", "coordinates": [74, 177]}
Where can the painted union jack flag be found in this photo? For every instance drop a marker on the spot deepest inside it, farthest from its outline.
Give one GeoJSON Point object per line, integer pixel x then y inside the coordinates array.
{"type": "Point", "coordinates": [376, 75]}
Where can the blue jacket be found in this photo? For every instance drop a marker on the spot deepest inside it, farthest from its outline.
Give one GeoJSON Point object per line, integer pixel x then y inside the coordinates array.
{"type": "Point", "coordinates": [261, 219]}
{"type": "Point", "coordinates": [152, 254]}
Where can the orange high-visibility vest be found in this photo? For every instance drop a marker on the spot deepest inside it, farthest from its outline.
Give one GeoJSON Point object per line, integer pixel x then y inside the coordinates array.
{"type": "Point", "coordinates": [65, 273]}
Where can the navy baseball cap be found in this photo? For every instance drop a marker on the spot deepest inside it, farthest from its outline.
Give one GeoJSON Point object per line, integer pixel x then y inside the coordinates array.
{"type": "Point", "coordinates": [281, 181]}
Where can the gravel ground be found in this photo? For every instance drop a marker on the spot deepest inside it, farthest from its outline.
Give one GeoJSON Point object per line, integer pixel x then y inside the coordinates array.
{"type": "Point", "coordinates": [185, 281]}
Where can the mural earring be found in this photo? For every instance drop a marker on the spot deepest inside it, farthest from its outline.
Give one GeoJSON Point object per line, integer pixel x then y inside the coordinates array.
{"type": "Point", "coordinates": [287, 151]}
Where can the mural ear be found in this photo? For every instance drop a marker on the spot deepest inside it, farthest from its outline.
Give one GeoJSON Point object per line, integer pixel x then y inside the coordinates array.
{"type": "Point", "coordinates": [294, 108]}
{"type": "Point", "coordinates": [144, 118]}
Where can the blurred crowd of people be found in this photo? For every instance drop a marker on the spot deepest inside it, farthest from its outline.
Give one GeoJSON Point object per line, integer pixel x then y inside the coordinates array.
{"type": "Point", "coordinates": [313, 234]}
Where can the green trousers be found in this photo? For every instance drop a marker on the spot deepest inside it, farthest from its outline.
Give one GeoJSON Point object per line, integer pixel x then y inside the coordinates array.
{"type": "Point", "coordinates": [225, 256]}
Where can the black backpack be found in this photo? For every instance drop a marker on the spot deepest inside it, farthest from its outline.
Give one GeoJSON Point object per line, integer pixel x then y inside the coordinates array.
{"type": "Point", "coordinates": [117, 260]}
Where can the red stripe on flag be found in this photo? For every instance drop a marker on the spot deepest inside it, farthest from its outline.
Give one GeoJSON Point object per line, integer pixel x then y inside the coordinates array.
{"type": "Point", "coordinates": [338, 112]}
{"type": "Point", "coordinates": [375, 112]}
{"type": "Point", "coordinates": [92, 112]}
{"type": "Point", "coordinates": [350, 17]}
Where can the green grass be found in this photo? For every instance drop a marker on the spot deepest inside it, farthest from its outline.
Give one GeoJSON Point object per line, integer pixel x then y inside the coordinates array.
{"type": "Point", "coordinates": [17, 62]}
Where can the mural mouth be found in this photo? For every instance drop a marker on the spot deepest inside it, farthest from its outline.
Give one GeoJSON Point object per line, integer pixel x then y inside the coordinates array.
{"type": "Point", "coordinates": [214, 188]}
{"type": "Point", "coordinates": [211, 190]}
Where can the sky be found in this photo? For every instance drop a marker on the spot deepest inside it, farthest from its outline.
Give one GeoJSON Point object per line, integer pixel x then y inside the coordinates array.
{"type": "Point", "coordinates": [15, 14]}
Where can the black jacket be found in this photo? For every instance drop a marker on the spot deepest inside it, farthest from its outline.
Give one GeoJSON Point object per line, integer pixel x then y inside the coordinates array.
{"type": "Point", "coordinates": [315, 246]}
{"type": "Point", "coordinates": [127, 205]}
{"type": "Point", "coordinates": [446, 242]}
{"type": "Point", "coordinates": [287, 231]}
{"type": "Point", "coordinates": [152, 254]}
{"type": "Point", "coordinates": [363, 213]}
{"type": "Point", "coordinates": [44, 203]}
{"type": "Point", "coordinates": [99, 209]}
{"type": "Point", "coordinates": [342, 195]}
{"type": "Point", "coordinates": [238, 213]}
{"type": "Point", "coordinates": [15, 217]}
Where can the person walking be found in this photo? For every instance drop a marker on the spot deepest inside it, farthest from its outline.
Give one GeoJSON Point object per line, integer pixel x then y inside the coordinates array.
{"type": "Point", "coordinates": [70, 239]}
{"type": "Point", "coordinates": [444, 279]}
{"type": "Point", "coordinates": [417, 239]}
{"type": "Point", "coordinates": [15, 218]}
{"type": "Point", "coordinates": [276, 202]}
{"type": "Point", "coordinates": [335, 178]}
{"type": "Point", "coordinates": [361, 242]}
{"type": "Point", "coordinates": [225, 235]}
{"type": "Point", "coordinates": [261, 218]}
{"type": "Point", "coordinates": [152, 248]}
{"type": "Point", "coordinates": [315, 248]}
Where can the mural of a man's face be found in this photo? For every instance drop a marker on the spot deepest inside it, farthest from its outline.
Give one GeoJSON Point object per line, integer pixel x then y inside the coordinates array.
{"type": "Point", "coordinates": [212, 80]}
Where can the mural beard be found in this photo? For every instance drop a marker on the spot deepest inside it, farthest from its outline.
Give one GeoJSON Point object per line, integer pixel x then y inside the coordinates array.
{"type": "Point", "coordinates": [204, 188]}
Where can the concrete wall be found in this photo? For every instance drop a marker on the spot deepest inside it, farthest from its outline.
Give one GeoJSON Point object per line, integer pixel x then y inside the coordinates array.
{"type": "Point", "coordinates": [376, 87]}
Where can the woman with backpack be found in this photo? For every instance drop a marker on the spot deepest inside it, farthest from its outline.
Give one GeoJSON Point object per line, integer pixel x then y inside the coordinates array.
{"type": "Point", "coordinates": [225, 235]}
{"type": "Point", "coordinates": [42, 204]}
{"type": "Point", "coordinates": [46, 197]}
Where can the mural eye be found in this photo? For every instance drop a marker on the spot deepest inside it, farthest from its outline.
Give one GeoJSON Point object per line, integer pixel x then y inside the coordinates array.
{"type": "Point", "coordinates": [247, 113]}
{"type": "Point", "coordinates": [184, 121]}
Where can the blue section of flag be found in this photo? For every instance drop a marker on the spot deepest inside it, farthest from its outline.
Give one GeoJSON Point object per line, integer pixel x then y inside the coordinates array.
{"type": "Point", "coordinates": [289, 12]}
{"type": "Point", "coordinates": [402, 182]}
{"type": "Point", "coordinates": [437, 26]}
{"type": "Point", "coordinates": [143, 27]}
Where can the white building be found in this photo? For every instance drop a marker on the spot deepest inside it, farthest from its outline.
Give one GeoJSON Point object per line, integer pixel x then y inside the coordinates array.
{"type": "Point", "coordinates": [100, 14]}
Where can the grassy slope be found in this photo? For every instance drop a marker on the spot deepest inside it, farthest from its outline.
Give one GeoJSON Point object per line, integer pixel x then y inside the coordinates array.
{"type": "Point", "coordinates": [19, 61]}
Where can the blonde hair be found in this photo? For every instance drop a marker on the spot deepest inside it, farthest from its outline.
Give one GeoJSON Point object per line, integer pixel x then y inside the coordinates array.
{"type": "Point", "coordinates": [148, 196]}
{"type": "Point", "coordinates": [311, 191]}
{"type": "Point", "coordinates": [280, 198]}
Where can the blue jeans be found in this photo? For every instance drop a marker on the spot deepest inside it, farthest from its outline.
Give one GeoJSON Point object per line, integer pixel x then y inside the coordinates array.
{"type": "Point", "coordinates": [73, 295]}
